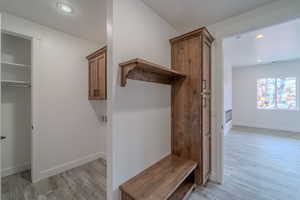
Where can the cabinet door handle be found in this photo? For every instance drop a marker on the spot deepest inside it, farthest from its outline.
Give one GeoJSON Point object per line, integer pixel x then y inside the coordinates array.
{"type": "Point", "coordinates": [204, 101]}
{"type": "Point", "coordinates": [204, 84]}
{"type": "Point", "coordinates": [3, 137]}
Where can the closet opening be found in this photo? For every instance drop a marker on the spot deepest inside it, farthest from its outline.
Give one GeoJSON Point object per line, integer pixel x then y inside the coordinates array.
{"type": "Point", "coordinates": [16, 106]}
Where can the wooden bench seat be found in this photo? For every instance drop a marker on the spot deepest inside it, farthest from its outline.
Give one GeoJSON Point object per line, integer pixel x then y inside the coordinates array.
{"type": "Point", "coordinates": [171, 178]}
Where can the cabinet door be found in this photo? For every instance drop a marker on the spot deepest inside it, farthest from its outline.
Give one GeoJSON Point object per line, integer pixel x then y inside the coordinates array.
{"type": "Point", "coordinates": [206, 110]}
{"type": "Point", "coordinates": [97, 78]}
{"type": "Point", "coordinates": [93, 79]}
{"type": "Point", "coordinates": [101, 73]}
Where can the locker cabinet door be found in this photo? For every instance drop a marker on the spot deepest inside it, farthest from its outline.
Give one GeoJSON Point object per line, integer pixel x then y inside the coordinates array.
{"type": "Point", "coordinates": [206, 110]}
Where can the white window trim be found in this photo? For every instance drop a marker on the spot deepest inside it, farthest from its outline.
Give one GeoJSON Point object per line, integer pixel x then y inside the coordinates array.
{"type": "Point", "coordinates": [276, 94]}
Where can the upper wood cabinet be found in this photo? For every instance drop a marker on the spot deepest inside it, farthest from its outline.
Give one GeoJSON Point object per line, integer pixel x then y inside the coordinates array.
{"type": "Point", "coordinates": [97, 75]}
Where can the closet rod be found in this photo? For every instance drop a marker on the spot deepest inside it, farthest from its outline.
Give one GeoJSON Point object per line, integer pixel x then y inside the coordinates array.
{"type": "Point", "coordinates": [20, 86]}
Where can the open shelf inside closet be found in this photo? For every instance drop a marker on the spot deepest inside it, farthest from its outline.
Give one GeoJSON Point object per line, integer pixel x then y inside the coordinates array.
{"type": "Point", "coordinates": [16, 56]}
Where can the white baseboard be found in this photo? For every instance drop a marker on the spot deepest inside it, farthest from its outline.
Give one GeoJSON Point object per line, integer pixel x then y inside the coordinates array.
{"type": "Point", "coordinates": [213, 177]}
{"type": "Point", "coordinates": [70, 165]}
{"type": "Point", "coordinates": [14, 170]}
{"type": "Point", "coordinates": [227, 127]}
{"type": "Point", "coordinates": [264, 128]}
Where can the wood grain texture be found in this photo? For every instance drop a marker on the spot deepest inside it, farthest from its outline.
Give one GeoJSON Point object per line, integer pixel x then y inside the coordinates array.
{"type": "Point", "coordinates": [197, 32]}
{"type": "Point", "coordinates": [183, 192]}
{"type": "Point", "coordinates": [159, 181]}
{"type": "Point", "coordinates": [87, 182]}
{"type": "Point", "coordinates": [191, 66]}
{"type": "Point", "coordinates": [206, 109]}
{"type": "Point", "coordinates": [190, 107]}
{"type": "Point", "coordinates": [259, 165]}
{"type": "Point", "coordinates": [139, 69]}
{"type": "Point", "coordinates": [97, 53]}
{"type": "Point", "coordinates": [97, 75]}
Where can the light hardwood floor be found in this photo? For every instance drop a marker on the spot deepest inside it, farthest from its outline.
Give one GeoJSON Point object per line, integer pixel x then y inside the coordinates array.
{"type": "Point", "coordinates": [259, 165]}
{"type": "Point", "coordinates": [87, 182]}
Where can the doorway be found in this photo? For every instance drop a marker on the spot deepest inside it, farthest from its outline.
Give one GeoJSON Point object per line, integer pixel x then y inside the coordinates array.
{"type": "Point", "coordinates": [16, 106]}
{"type": "Point", "coordinates": [260, 74]}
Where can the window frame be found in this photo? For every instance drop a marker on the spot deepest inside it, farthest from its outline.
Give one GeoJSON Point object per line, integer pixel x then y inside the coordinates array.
{"type": "Point", "coordinates": [276, 94]}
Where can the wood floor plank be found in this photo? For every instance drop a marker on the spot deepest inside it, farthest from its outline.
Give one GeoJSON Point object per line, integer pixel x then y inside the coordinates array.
{"type": "Point", "coordinates": [260, 164]}
{"type": "Point", "coordinates": [87, 182]}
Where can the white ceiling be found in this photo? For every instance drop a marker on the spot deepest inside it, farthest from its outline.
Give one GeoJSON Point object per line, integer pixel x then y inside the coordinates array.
{"type": "Point", "coordinates": [88, 20]}
{"type": "Point", "coordinates": [280, 43]}
{"type": "Point", "coordinates": [186, 15]}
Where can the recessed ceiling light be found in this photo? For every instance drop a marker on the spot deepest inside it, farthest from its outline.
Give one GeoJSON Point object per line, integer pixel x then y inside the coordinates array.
{"type": "Point", "coordinates": [260, 36]}
{"type": "Point", "coordinates": [64, 7]}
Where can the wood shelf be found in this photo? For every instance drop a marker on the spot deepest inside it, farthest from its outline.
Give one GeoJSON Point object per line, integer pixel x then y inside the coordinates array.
{"type": "Point", "coordinates": [183, 192]}
{"type": "Point", "coordinates": [139, 69]}
{"type": "Point", "coordinates": [163, 180]}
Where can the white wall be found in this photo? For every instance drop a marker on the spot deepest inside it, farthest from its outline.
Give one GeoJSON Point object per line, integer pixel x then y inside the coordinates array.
{"type": "Point", "coordinates": [141, 126]}
{"type": "Point", "coordinates": [244, 97]}
{"type": "Point", "coordinates": [70, 131]}
{"type": "Point", "coordinates": [15, 103]}
{"type": "Point", "coordinates": [227, 84]}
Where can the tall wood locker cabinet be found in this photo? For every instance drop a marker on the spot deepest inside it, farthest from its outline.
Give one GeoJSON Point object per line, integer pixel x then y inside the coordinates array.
{"type": "Point", "coordinates": [191, 100]}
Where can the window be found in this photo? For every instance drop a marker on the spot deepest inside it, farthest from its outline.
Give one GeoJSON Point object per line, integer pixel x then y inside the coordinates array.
{"type": "Point", "coordinates": [277, 93]}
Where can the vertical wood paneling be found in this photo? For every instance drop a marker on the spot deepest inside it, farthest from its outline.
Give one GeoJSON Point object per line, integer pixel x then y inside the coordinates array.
{"type": "Point", "coordinates": [92, 77]}
{"type": "Point", "coordinates": [97, 75]}
{"type": "Point", "coordinates": [191, 129]}
{"type": "Point", "coordinates": [206, 110]}
{"type": "Point", "coordinates": [101, 73]}
{"type": "Point", "coordinates": [179, 92]}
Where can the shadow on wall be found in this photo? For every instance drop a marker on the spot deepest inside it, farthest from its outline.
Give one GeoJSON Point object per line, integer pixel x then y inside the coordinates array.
{"type": "Point", "coordinates": [99, 108]}
{"type": "Point", "coordinates": [139, 95]}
